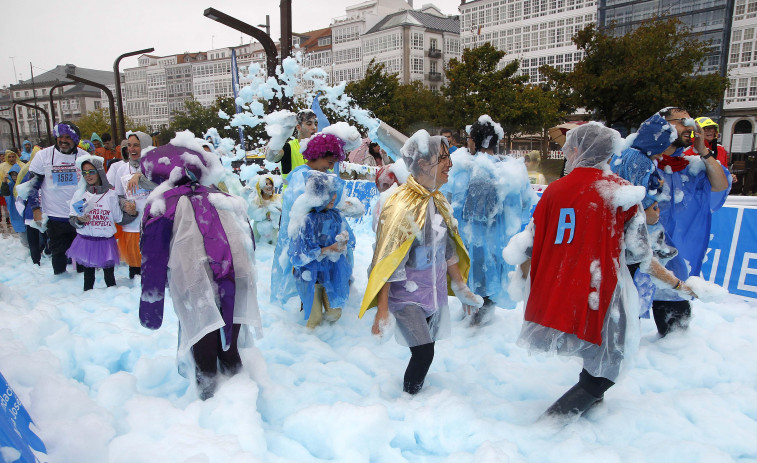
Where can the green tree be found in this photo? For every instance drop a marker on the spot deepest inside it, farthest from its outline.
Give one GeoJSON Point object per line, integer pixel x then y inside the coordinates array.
{"type": "Point", "coordinates": [198, 119]}
{"type": "Point", "coordinates": [98, 121]}
{"type": "Point", "coordinates": [417, 107]}
{"type": "Point", "coordinates": [475, 87]}
{"type": "Point", "coordinates": [625, 79]}
{"type": "Point", "coordinates": [375, 92]}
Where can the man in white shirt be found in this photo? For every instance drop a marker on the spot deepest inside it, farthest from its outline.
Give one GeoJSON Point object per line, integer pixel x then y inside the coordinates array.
{"type": "Point", "coordinates": [54, 180]}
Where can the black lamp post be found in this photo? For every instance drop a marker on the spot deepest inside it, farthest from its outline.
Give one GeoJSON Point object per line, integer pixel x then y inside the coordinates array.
{"type": "Point", "coordinates": [117, 78]}
{"type": "Point", "coordinates": [105, 89]}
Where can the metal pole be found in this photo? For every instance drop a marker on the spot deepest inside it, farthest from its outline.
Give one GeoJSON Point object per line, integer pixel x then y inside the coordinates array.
{"type": "Point", "coordinates": [111, 105]}
{"type": "Point", "coordinates": [117, 77]}
{"type": "Point", "coordinates": [286, 28]}
{"type": "Point", "coordinates": [9, 125]}
{"type": "Point", "coordinates": [52, 103]}
{"type": "Point", "coordinates": [268, 44]}
{"type": "Point", "coordinates": [34, 95]}
{"type": "Point", "coordinates": [33, 106]}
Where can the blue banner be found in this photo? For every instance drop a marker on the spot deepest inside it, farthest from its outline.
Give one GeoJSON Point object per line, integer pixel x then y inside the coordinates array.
{"type": "Point", "coordinates": [17, 428]}
{"type": "Point", "coordinates": [731, 259]}
{"type": "Point", "coordinates": [235, 89]}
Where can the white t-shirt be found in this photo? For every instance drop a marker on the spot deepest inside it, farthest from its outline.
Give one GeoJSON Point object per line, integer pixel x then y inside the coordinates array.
{"type": "Point", "coordinates": [112, 171]}
{"type": "Point", "coordinates": [103, 211]}
{"type": "Point", "coordinates": [61, 179]}
{"type": "Point", "coordinates": [121, 178]}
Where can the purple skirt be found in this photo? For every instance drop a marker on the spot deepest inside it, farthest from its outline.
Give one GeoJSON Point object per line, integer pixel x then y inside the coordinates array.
{"type": "Point", "coordinates": [94, 251]}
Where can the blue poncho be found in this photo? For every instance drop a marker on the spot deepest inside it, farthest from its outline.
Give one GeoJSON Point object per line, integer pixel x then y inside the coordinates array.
{"type": "Point", "coordinates": [686, 206]}
{"type": "Point", "coordinates": [491, 198]}
{"type": "Point", "coordinates": [282, 281]}
{"type": "Point", "coordinates": [319, 229]}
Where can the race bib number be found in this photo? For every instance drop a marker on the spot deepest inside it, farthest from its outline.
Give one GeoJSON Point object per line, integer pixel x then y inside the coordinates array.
{"type": "Point", "coordinates": [64, 175]}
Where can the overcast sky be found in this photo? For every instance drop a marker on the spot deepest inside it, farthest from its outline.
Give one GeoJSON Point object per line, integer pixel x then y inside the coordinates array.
{"type": "Point", "coordinates": [92, 34]}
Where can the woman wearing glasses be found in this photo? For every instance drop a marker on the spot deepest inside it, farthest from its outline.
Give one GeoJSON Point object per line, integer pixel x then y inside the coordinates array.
{"type": "Point", "coordinates": [94, 211]}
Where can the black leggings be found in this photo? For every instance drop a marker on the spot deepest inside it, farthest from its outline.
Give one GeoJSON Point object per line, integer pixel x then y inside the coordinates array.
{"type": "Point", "coordinates": [89, 277]}
{"type": "Point", "coordinates": [420, 361]}
{"type": "Point", "coordinates": [208, 352]}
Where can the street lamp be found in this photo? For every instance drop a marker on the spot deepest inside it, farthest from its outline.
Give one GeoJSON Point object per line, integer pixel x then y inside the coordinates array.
{"type": "Point", "coordinates": [111, 105]}
{"type": "Point", "coordinates": [38, 108]}
{"type": "Point", "coordinates": [268, 45]}
{"type": "Point", "coordinates": [117, 77]}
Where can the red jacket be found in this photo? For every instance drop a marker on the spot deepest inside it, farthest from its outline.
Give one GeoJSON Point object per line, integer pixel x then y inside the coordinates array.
{"type": "Point", "coordinates": [722, 153]}
{"type": "Point", "coordinates": [566, 258]}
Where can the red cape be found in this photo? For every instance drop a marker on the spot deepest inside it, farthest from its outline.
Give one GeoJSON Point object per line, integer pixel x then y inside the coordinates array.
{"type": "Point", "coordinates": [561, 277]}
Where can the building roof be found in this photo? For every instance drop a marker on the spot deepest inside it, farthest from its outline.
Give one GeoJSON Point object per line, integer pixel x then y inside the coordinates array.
{"type": "Point", "coordinates": [418, 18]}
{"type": "Point", "coordinates": [58, 73]}
{"type": "Point", "coordinates": [311, 43]}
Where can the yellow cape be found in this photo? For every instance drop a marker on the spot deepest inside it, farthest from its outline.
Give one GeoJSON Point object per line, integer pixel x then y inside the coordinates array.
{"type": "Point", "coordinates": [402, 216]}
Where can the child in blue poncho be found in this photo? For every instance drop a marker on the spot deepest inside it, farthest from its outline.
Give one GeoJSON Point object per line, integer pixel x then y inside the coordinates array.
{"type": "Point", "coordinates": [320, 242]}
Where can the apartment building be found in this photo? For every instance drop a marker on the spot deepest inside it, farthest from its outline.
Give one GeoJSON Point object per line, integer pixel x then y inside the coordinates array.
{"type": "Point", "coordinates": [534, 32]}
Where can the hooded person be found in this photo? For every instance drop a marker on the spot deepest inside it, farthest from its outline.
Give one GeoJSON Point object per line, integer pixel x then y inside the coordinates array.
{"type": "Point", "coordinates": [419, 258]}
{"type": "Point", "coordinates": [34, 235]}
{"type": "Point", "coordinates": [265, 209]}
{"type": "Point", "coordinates": [202, 235]}
{"type": "Point", "coordinates": [95, 209]}
{"type": "Point", "coordinates": [87, 146]}
{"type": "Point", "coordinates": [637, 164]}
{"type": "Point", "coordinates": [587, 229]}
{"type": "Point", "coordinates": [26, 151]}
{"type": "Point", "coordinates": [16, 219]}
{"type": "Point", "coordinates": [693, 188]}
{"type": "Point", "coordinates": [132, 186]}
{"type": "Point", "coordinates": [320, 238]}
{"type": "Point", "coordinates": [97, 142]}
{"type": "Point", "coordinates": [491, 198]}
{"type": "Point", "coordinates": [53, 181]}
{"type": "Point", "coordinates": [322, 151]}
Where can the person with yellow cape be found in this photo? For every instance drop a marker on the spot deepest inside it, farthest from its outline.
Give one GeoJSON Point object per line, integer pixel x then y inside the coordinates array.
{"type": "Point", "coordinates": [419, 258]}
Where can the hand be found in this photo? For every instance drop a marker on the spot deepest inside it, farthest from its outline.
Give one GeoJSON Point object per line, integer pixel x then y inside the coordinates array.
{"type": "Point", "coordinates": [380, 322]}
{"type": "Point", "coordinates": [37, 215]}
{"type": "Point", "coordinates": [699, 145]}
{"type": "Point", "coordinates": [336, 248]}
{"type": "Point", "coordinates": [133, 185]}
{"type": "Point", "coordinates": [685, 289]}
{"type": "Point", "coordinates": [130, 207]}
{"type": "Point", "coordinates": [469, 309]}
{"type": "Point", "coordinates": [83, 218]}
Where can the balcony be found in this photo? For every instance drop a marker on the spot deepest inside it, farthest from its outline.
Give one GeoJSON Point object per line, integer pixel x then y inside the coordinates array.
{"type": "Point", "coordinates": [434, 53]}
{"type": "Point", "coordinates": [435, 76]}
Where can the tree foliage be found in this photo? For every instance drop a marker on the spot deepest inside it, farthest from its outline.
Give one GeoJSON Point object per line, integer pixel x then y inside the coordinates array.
{"type": "Point", "coordinates": [625, 79]}
{"type": "Point", "coordinates": [475, 87]}
{"type": "Point", "coordinates": [406, 107]}
{"type": "Point", "coordinates": [98, 121]}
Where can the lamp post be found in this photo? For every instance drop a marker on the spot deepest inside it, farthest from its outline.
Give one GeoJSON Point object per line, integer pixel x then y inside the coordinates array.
{"type": "Point", "coordinates": [117, 78]}
{"type": "Point", "coordinates": [111, 105]}
{"type": "Point", "coordinates": [52, 93]}
{"type": "Point", "coordinates": [38, 108]}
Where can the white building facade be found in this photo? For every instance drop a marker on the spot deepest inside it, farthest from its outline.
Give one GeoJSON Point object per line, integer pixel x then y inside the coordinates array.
{"type": "Point", "coordinates": [740, 104]}
{"type": "Point", "coordinates": [534, 32]}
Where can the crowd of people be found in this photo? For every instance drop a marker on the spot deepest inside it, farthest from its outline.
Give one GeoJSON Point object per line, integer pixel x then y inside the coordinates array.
{"type": "Point", "coordinates": [618, 237]}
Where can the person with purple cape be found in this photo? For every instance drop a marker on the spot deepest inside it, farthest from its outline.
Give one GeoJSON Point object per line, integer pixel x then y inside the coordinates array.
{"type": "Point", "coordinates": [202, 235]}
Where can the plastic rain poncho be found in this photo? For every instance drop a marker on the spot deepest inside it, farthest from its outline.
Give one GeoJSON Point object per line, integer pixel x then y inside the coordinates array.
{"type": "Point", "coordinates": [686, 206]}
{"type": "Point", "coordinates": [491, 197]}
{"type": "Point", "coordinates": [586, 229]}
{"type": "Point", "coordinates": [282, 281]}
{"type": "Point", "coordinates": [415, 242]}
{"type": "Point", "coordinates": [266, 213]}
{"type": "Point", "coordinates": [314, 227]}
{"type": "Point", "coordinates": [203, 237]}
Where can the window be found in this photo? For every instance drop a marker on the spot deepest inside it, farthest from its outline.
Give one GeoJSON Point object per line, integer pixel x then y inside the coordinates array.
{"type": "Point", "coordinates": [323, 41]}
{"type": "Point", "coordinates": [741, 90]}
{"type": "Point", "coordinates": [416, 65]}
{"type": "Point", "coordinates": [432, 44]}
{"type": "Point", "coordinates": [416, 41]}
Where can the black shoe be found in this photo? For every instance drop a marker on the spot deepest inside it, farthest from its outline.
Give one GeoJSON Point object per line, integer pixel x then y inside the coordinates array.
{"type": "Point", "coordinates": [573, 403]}
{"type": "Point", "coordinates": [133, 271]}
{"type": "Point", "coordinates": [483, 316]}
{"type": "Point", "coordinates": [206, 386]}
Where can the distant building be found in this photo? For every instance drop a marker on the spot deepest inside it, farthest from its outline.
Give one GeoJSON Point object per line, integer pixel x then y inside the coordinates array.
{"type": "Point", "coordinates": [70, 102]}
{"type": "Point", "coordinates": [534, 32]}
